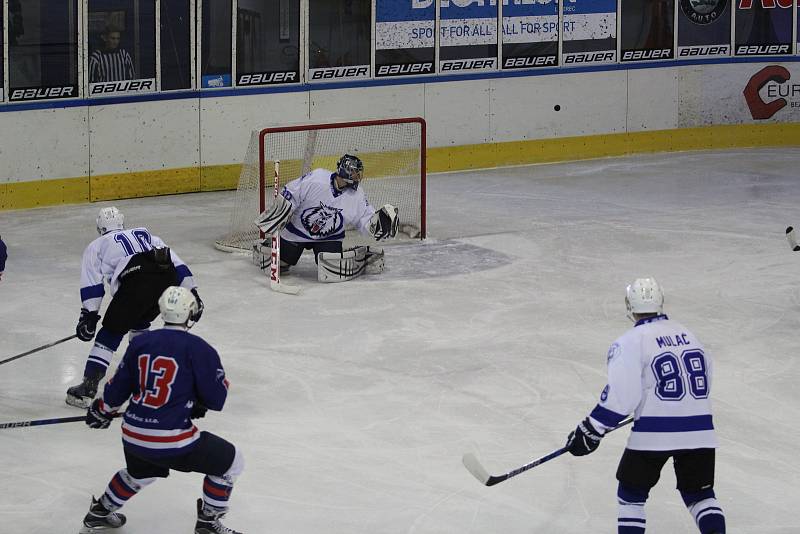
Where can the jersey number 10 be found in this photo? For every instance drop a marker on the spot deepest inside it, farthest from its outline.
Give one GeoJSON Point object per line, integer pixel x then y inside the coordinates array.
{"type": "Point", "coordinates": [673, 374]}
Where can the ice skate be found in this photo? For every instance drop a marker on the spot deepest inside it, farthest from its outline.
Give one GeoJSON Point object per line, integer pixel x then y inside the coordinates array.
{"type": "Point", "coordinates": [82, 395]}
{"type": "Point", "coordinates": [100, 519]}
{"type": "Point", "coordinates": [208, 521]}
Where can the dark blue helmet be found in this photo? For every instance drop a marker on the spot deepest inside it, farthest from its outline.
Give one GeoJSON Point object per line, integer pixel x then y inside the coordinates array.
{"type": "Point", "coordinates": [350, 169]}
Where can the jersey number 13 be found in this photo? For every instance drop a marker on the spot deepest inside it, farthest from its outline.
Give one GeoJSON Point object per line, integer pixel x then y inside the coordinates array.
{"type": "Point", "coordinates": [156, 376]}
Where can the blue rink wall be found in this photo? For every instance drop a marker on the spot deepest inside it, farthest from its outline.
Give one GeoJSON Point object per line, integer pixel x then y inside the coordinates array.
{"type": "Point", "coordinates": [133, 146]}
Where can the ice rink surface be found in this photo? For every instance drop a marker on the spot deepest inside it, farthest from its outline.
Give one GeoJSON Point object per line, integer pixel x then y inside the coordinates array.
{"type": "Point", "coordinates": [354, 402]}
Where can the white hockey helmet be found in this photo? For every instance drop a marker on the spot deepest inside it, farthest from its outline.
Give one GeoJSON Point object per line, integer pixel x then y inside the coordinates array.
{"type": "Point", "coordinates": [644, 295]}
{"type": "Point", "coordinates": [177, 305]}
{"type": "Point", "coordinates": [110, 219]}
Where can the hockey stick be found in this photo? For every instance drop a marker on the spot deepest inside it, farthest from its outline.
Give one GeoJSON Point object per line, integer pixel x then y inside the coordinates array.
{"type": "Point", "coordinates": [792, 238]}
{"type": "Point", "coordinates": [37, 349]}
{"type": "Point", "coordinates": [478, 471]}
{"type": "Point", "coordinates": [275, 268]}
{"type": "Point", "coordinates": [55, 421]}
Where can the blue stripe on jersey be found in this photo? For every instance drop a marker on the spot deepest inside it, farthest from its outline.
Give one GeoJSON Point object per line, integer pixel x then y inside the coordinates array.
{"type": "Point", "coordinates": [651, 319]}
{"type": "Point", "coordinates": [183, 272]}
{"type": "Point", "coordinates": [690, 423]}
{"type": "Point", "coordinates": [92, 292]}
{"type": "Point", "coordinates": [606, 416]}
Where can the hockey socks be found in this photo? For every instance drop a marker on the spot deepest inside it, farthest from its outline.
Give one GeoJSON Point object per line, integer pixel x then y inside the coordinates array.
{"type": "Point", "coordinates": [706, 511]}
{"type": "Point", "coordinates": [216, 493]}
{"type": "Point", "coordinates": [121, 488]}
{"type": "Point", "coordinates": [103, 350]}
{"type": "Point", "coordinates": [631, 517]}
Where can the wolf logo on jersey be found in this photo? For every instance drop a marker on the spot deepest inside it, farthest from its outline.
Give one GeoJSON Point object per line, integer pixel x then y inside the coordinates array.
{"type": "Point", "coordinates": [322, 220]}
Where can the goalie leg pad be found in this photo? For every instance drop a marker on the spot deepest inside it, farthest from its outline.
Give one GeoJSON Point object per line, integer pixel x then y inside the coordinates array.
{"type": "Point", "coordinates": [333, 267]}
{"type": "Point", "coordinates": [384, 222]}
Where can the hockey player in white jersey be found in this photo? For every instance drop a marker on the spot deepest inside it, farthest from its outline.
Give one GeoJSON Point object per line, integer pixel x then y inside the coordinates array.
{"type": "Point", "coordinates": [660, 372]}
{"type": "Point", "coordinates": [312, 212]}
{"type": "Point", "coordinates": [137, 266]}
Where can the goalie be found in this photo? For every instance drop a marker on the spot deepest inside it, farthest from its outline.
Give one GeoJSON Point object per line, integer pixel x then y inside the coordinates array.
{"type": "Point", "coordinates": [312, 212]}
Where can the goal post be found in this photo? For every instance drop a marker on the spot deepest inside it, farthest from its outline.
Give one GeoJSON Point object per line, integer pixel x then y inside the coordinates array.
{"type": "Point", "coordinates": [394, 156]}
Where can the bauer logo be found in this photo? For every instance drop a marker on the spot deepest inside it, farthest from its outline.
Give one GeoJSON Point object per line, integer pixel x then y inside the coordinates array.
{"type": "Point", "coordinates": [642, 55]}
{"type": "Point", "coordinates": [129, 86]}
{"type": "Point", "coordinates": [762, 50]}
{"type": "Point", "coordinates": [404, 70]}
{"type": "Point", "coordinates": [468, 64]}
{"type": "Point", "coordinates": [528, 62]}
{"type": "Point", "coordinates": [268, 78]}
{"type": "Point", "coordinates": [703, 11]}
{"type": "Point", "coordinates": [704, 51]}
{"type": "Point", "coordinates": [338, 73]}
{"type": "Point", "coordinates": [589, 57]}
{"type": "Point", "coordinates": [42, 93]}
{"type": "Point", "coordinates": [774, 78]}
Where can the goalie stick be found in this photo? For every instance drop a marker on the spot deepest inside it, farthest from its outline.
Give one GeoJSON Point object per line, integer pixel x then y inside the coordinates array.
{"type": "Point", "coordinates": [472, 464]}
{"type": "Point", "coordinates": [792, 238]}
{"type": "Point", "coordinates": [275, 283]}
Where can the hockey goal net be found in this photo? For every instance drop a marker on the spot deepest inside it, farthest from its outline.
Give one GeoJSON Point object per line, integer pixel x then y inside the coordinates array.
{"type": "Point", "coordinates": [393, 152]}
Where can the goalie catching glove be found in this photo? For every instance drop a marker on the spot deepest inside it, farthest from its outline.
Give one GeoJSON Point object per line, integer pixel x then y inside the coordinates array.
{"type": "Point", "coordinates": [384, 222]}
{"type": "Point", "coordinates": [275, 218]}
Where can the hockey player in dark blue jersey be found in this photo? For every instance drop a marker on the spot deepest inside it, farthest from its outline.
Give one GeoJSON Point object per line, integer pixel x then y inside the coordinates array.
{"type": "Point", "coordinates": [169, 377]}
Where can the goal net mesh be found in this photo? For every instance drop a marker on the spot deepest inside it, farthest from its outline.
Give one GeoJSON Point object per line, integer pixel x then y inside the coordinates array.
{"type": "Point", "coordinates": [393, 153]}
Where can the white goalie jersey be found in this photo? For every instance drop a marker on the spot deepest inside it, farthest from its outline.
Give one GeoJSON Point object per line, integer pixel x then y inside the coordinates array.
{"type": "Point", "coordinates": [320, 212]}
{"type": "Point", "coordinates": [661, 373]}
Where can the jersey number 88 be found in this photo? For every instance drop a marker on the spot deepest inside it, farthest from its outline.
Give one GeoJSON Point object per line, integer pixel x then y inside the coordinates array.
{"type": "Point", "coordinates": [673, 373]}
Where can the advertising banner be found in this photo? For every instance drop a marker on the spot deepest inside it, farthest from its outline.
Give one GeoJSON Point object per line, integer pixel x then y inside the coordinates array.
{"type": "Point", "coordinates": [404, 37]}
{"type": "Point", "coordinates": [467, 36]}
{"type": "Point", "coordinates": [744, 93]}
{"type": "Point", "coordinates": [530, 34]}
{"type": "Point", "coordinates": [647, 30]}
{"type": "Point", "coordinates": [590, 31]}
{"type": "Point", "coordinates": [704, 28]}
{"type": "Point", "coordinates": [763, 27]}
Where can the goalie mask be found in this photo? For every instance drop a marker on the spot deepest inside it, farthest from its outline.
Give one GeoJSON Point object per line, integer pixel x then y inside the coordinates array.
{"type": "Point", "coordinates": [644, 295]}
{"type": "Point", "coordinates": [109, 219]}
{"type": "Point", "coordinates": [350, 169]}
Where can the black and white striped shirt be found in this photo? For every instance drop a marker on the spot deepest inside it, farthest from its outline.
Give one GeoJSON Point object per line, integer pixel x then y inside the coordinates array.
{"type": "Point", "coordinates": [113, 66]}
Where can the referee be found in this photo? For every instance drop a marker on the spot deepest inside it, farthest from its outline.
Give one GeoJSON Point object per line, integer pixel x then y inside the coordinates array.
{"type": "Point", "coordinates": [110, 63]}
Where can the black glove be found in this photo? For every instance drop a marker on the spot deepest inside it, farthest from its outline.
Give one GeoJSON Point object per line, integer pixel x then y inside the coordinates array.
{"type": "Point", "coordinates": [97, 417]}
{"type": "Point", "coordinates": [584, 439]}
{"type": "Point", "coordinates": [200, 307]}
{"type": "Point", "coordinates": [87, 324]}
{"type": "Point", "coordinates": [198, 410]}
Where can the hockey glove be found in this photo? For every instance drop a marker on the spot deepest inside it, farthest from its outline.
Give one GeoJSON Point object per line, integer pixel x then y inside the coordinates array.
{"type": "Point", "coordinates": [198, 410]}
{"type": "Point", "coordinates": [584, 439]}
{"type": "Point", "coordinates": [97, 416]}
{"type": "Point", "coordinates": [87, 324]}
{"type": "Point", "coordinates": [200, 306]}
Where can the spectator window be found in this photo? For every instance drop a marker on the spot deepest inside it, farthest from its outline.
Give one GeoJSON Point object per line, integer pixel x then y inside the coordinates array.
{"type": "Point", "coordinates": [122, 44]}
{"type": "Point", "coordinates": [176, 45]}
{"type": "Point", "coordinates": [216, 46]}
{"type": "Point", "coordinates": [267, 42]}
{"type": "Point", "coordinates": [42, 49]}
{"type": "Point", "coordinates": [339, 39]}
